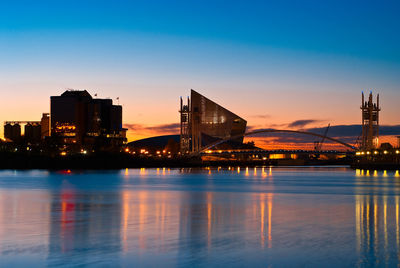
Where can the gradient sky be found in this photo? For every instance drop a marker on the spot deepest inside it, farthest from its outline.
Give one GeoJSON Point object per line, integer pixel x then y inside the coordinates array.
{"type": "Point", "coordinates": [272, 63]}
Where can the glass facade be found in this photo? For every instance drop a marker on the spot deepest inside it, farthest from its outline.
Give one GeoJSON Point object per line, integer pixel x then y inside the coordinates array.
{"type": "Point", "coordinates": [209, 122]}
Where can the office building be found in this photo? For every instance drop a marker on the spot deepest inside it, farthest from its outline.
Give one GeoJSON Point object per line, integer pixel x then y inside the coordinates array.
{"type": "Point", "coordinates": [78, 118]}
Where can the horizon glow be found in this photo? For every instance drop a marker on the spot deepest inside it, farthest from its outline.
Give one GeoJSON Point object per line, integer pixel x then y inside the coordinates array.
{"type": "Point", "coordinates": [270, 63]}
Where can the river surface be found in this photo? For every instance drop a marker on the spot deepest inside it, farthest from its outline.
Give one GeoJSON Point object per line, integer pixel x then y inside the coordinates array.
{"type": "Point", "coordinates": [218, 217]}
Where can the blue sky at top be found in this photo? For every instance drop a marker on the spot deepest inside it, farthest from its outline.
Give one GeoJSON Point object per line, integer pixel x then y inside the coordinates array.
{"type": "Point", "coordinates": [365, 29]}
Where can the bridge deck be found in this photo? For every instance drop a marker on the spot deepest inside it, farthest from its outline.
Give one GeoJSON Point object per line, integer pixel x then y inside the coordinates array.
{"type": "Point", "coordinates": [243, 151]}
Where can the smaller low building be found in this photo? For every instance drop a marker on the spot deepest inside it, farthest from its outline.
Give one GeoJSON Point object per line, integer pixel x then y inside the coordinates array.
{"type": "Point", "coordinates": [160, 146]}
{"type": "Point", "coordinates": [31, 134]}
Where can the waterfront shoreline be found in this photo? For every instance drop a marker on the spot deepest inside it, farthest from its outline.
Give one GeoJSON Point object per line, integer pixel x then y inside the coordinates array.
{"type": "Point", "coordinates": [105, 161]}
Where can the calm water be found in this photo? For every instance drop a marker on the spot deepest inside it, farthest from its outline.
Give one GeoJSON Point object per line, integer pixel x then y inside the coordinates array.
{"type": "Point", "coordinates": [277, 217]}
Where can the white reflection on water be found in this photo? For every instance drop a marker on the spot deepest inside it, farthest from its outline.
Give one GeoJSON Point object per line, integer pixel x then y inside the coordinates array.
{"type": "Point", "coordinates": [182, 217]}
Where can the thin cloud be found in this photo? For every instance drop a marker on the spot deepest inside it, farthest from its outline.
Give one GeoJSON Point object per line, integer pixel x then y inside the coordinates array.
{"type": "Point", "coordinates": [302, 123]}
{"type": "Point", "coordinates": [260, 116]}
{"type": "Point", "coordinates": [253, 128]}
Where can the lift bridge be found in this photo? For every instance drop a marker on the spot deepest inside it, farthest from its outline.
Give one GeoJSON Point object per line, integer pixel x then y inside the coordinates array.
{"type": "Point", "coordinates": [209, 150]}
{"type": "Point", "coordinates": [262, 154]}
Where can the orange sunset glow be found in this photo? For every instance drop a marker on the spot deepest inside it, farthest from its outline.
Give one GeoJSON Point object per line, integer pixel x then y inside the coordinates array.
{"type": "Point", "coordinates": [151, 114]}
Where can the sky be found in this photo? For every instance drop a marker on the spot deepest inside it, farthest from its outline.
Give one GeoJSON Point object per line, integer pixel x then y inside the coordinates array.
{"type": "Point", "coordinates": [273, 63]}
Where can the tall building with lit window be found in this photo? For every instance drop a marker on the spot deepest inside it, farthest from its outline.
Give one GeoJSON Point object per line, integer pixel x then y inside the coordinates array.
{"type": "Point", "coordinates": [78, 118]}
{"type": "Point", "coordinates": [204, 122]}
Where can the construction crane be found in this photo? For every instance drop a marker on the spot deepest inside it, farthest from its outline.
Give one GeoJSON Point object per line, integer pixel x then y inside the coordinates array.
{"type": "Point", "coordinates": [318, 144]}
{"type": "Point", "coordinates": [358, 143]}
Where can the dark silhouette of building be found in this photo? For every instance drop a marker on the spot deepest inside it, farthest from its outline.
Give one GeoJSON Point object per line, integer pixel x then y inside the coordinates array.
{"type": "Point", "coordinates": [78, 119]}
{"type": "Point", "coordinates": [33, 132]}
{"type": "Point", "coordinates": [12, 131]}
{"type": "Point", "coordinates": [45, 125]}
{"type": "Point", "coordinates": [370, 123]}
{"type": "Point", "coordinates": [8, 131]}
{"type": "Point", "coordinates": [204, 121]}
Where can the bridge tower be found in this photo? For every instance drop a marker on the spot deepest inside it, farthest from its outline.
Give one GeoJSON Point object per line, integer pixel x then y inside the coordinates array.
{"type": "Point", "coordinates": [370, 122]}
{"type": "Point", "coordinates": [185, 137]}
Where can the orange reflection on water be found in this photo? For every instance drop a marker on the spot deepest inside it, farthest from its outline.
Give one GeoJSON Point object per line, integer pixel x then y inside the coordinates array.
{"type": "Point", "coordinates": [263, 173]}
{"type": "Point", "coordinates": [209, 217]}
{"type": "Point", "coordinates": [385, 229]}
{"type": "Point", "coordinates": [142, 196]}
{"type": "Point", "coordinates": [67, 219]}
{"type": "Point", "coordinates": [147, 217]}
{"type": "Point", "coordinates": [262, 212]}
{"type": "Point", "coordinates": [126, 196]}
{"type": "Point", "coordinates": [270, 195]}
{"type": "Point", "coordinates": [269, 198]}
{"type": "Point", "coordinates": [376, 237]}
{"type": "Point", "coordinates": [397, 224]}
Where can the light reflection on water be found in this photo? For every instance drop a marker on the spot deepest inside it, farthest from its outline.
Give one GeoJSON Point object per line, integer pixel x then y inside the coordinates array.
{"type": "Point", "coordinates": [213, 216]}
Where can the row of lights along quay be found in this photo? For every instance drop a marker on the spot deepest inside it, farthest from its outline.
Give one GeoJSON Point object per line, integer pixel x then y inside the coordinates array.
{"type": "Point", "coordinates": [388, 158]}
{"type": "Point", "coordinates": [371, 155]}
{"type": "Point", "coordinates": [87, 131]}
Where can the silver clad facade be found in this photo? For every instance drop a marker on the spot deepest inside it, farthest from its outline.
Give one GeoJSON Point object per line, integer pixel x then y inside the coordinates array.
{"type": "Point", "coordinates": [204, 121]}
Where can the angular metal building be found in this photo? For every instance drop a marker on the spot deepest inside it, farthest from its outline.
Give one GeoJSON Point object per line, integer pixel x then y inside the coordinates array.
{"type": "Point", "coordinates": [204, 122]}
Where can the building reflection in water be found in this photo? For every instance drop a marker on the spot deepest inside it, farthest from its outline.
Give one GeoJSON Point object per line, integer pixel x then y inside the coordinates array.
{"type": "Point", "coordinates": [142, 216]}
{"type": "Point", "coordinates": [196, 224]}
{"type": "Point", "coordinates": [204, 218]}
{"type": "Point", "coordinates": [377, 220]}
{"type": "Point", "coordinates": [82, 222]}
{"type": "Point", "coordinates": [188, 221]}
{"type": "Point", "coordinates": [24, 222]}
{"type": "Point", "coordinates": [266, 219]}
{"type": "Point", "coordinates": [148, 220]}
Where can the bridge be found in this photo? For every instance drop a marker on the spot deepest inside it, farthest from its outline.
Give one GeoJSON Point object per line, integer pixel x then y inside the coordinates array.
{"type": "Point", "coordinates": [212, 145]}
{"type": "Point", "coordinates": [269, 152]}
